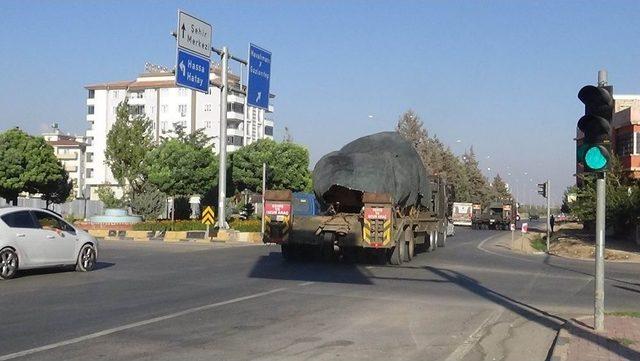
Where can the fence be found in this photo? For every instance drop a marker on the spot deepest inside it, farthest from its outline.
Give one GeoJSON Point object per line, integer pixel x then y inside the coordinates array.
{"type": "Point", "coordinates": [79, 208]}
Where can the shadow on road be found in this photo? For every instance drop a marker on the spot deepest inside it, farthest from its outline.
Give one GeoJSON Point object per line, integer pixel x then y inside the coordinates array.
{"type": "Point", "coordinates": [532, 313]}
{"type": "Point", "coordinates": [274, 266]}
{"type": "Point", "coordinates": [51, 270]}
{"type": "Point", "coordinates": [547, 262]}
{"type": "Point", "coordinates": [627, 288]}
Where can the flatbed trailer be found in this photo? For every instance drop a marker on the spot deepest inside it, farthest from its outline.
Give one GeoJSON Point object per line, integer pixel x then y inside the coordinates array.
{"type": "Point", "coordinates": [380, 231]}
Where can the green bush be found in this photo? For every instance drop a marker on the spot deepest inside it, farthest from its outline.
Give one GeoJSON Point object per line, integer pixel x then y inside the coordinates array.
{"type": "Point", "coordinates": [180, 226]}
{"type": "Point", "coordinates": [539, 243]}
{"type": "Point", "coordinates": [249, 225]}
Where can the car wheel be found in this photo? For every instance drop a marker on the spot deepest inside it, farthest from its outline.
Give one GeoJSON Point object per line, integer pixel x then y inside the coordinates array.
{"type": "Point", "coordinates": [8, 264]}
{"type": "Point", "coordinates": [86, 259]}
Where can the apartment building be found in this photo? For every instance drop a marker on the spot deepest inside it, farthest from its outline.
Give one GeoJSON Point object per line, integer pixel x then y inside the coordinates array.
{"type": "Point", "coordinates": [71, 151]}
{"type": "Point", "coordinates": [155, 94]}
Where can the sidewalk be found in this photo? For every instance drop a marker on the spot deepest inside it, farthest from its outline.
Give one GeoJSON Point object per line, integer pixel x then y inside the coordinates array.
{"type": "Point", "coordinates": [577, 341]}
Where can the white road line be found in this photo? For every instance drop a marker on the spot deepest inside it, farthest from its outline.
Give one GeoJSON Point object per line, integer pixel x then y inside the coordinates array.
{"type": "Point", "coordinates": [305, 283]}
{"type": "Point", "coordinates": [473, 339]}
{"type": "Point", "coordinates": [501, 254]}
{"type": "Point", "coordinates": [135, 324]}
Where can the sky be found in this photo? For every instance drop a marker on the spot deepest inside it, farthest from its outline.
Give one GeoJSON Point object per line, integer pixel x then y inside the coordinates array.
{"type": "Point", "coordinates": [501, 76]}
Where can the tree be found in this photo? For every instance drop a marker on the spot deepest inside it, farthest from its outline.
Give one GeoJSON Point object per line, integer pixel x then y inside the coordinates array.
{"type": "Point", "coordinates": [436, 157]}
{"type": "Point", "coordinates": [622, 197]}
{"type": "Point", "coordinates": [499, 189]}
{"type": "Point", "coordinates": [149, 203]}
{"type": "Point", "coordinates": [128, 143]}
{"type": "Point", "coordinates": [27, 164]}
{"type": "Point", "coordinates": [108, 197]}
{"type": "Point", "coordinates": [411, 128]}
{"type": "Point", "coordinates": [58, 191]}
{"type": "Point", "coordinates": [287, 166]}
{"type": "Point", "coordinates": [184, 165]}
{"type": "Point", "coordinates": [479, 190]}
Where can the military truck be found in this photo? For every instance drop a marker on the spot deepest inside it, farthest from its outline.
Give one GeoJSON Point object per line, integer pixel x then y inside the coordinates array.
{"type": "Point", "coordinates": [497, 215]}
{"type": "Point", "coordinates": [378, 202]}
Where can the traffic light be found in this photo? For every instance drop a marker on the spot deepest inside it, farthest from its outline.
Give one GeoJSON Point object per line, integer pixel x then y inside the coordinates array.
{"type": "Point", "coordinates": [594, 152]}
{"type": "Point", "coordinates": [542, 189]}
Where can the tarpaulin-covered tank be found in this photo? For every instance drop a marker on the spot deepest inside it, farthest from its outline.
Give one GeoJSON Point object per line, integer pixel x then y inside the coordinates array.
{"type": "Point", "coordinates": [381, 163]}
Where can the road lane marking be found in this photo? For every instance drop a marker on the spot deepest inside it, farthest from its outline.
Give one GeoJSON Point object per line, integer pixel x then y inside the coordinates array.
{"type": "Point", "coordinates": [480, 247]}
{"type": "Point", "coordinates": [475, 336]}
{"type": "Point", "coordinates": [305, 283]}
{"type": "Point", "coordinates": [135, 324]}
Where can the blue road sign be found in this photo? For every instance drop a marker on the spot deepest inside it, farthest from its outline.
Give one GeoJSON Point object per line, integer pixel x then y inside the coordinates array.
{"type": "Point", "coordinates": [259, 76]}
{"type": "Point", "coordinates": [192, 71]}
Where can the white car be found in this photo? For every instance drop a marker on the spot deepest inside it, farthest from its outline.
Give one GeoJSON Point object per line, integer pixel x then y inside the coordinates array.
{"type": "Point", "coordinates": [32, 238]}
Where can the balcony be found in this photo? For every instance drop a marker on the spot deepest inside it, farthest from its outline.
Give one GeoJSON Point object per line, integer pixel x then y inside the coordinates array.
{"type": "Point", "coordinates": [234, 132]}
{"type": "Point", "coordinates": [67, 156]}
{"type": "Point", "coordinates": [235, 116]}
{"type": "Point", "coordinates": [71, 168]}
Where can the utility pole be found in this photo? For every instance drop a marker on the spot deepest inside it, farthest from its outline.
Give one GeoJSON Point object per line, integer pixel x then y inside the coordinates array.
{"type": "Point", "coordinates": [222, 171]}
{"type": "Point", "coordinates": [264, 187]}
{"type": "Point", "coordinates": [548, 188]}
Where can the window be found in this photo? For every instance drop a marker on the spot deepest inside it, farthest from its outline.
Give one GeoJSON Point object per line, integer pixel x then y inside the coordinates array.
{"type": "Point", "coordinates": [115, 94]}
{"type": "Point", "coordinates": [92, 94]}
{"type": "Point", "coordinates": [89, 157]}
{"type": "Point", "coordinates": [207, 124]}
{"type": "Point", "coordinates": [136, 109]}
{"type": "Point", "coordinates": [268, 130]}
{"type": "Point", "coordinates": [90, 109]}
{"type": "Point", "coordinates": [20, 219]}
{"type": "Point", "coordinates": [51, 222]}
{"type": "Point", "coordinates": [182, 91]}
{"type": "Point", "coordinates": [182, 109]}
{"type": "Point", "coordinates": [164, 108]}
{"type": "Point", "coordinates": [234, 140]}
{"type": "Point", "coordinates": [89, 173]}
{"type": "Point", "coordinates": [624, 144]}
{"type": "Point", "coordinates": [235, 107]}
{"type": "Point", "coordinates": [207, 107]}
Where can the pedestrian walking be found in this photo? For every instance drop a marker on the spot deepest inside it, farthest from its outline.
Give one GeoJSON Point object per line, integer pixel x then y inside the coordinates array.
{"type": "Point", "coordinates": [552, 222]}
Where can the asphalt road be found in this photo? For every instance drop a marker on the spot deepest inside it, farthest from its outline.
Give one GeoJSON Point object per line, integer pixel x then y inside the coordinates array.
{"type": "Point", "coordinates": [473, 300]}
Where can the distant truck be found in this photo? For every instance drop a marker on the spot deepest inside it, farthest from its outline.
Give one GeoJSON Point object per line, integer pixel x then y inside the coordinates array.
{"type": "Point", "coordinates": [378, 200]}
{"type": "Point", "coordinates": [462, 213]}
{"type": "Point", "coordinates": [497, 215]}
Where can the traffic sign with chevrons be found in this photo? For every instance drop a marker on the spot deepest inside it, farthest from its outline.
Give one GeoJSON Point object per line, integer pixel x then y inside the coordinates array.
{"type": "Point", "coordinates": [208, 216]}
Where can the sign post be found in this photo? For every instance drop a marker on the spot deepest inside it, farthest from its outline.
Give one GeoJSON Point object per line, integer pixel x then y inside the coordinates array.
{"type": "Point", "coordinates": [208, 218]}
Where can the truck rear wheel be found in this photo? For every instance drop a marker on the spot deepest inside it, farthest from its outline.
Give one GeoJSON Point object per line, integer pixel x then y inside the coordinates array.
{"type": "Point", "coordinates": [397, 255]}
{"type": "Point", "coordinates": [410, 244]}
{"type": "Point", "coordinates": [433, 241]}
{"type": "Point", "coordinates": [442, 239]}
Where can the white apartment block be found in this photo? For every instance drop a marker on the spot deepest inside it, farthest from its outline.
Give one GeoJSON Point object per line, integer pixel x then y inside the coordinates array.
{"type": "Point", "coordinates": [155, 94]}
{"type": "Point", "coordinates": [70, 150]}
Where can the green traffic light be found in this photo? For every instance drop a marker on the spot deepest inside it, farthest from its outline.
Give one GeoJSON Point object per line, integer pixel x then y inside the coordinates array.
{"type": "Point", "coordinates": [596, 158]}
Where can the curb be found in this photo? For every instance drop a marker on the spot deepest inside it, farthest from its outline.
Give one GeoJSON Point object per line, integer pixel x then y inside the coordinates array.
{"type": "Point", "coordinates": [561, 345]}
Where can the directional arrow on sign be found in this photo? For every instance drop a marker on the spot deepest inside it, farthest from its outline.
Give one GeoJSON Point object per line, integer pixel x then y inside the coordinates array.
{"type": "Point", "coordinates": [182, 68]}
{"type": "Point", "coordinates": [183, 30]}
{"type": "Point", "coordinates": [208, 216]}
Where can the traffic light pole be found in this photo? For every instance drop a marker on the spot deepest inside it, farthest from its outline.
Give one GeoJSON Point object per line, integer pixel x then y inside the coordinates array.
{"type": "Point", "coordinates": [598, 309]}
{"type": "Point", "coordinates": [548, 191]}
